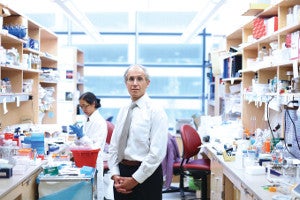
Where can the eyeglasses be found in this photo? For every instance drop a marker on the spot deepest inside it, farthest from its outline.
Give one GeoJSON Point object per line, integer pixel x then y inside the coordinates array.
{"type": "Point", "coordinates": [138, 79]}
{"type": "Point", "coordinates": [84, 106]}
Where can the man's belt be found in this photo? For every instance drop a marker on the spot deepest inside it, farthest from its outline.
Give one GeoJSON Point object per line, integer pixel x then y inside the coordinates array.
{"type": "Point", "coordinates": [130, 162]}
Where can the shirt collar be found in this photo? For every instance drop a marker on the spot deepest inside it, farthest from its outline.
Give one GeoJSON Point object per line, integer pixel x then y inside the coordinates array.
{"type": "Point", "coordinates": [92, 116]}
{"type": "Point", "coordinates": [142, 100]}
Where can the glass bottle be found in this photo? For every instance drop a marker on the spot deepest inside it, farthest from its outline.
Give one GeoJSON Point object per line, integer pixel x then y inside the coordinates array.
{"type": "Point", "coordinates": [278, 152]}
{"type": "Point", "coordinates": [262, 53]}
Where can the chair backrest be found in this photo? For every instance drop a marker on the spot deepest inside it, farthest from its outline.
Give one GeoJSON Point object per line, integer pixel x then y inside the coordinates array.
{"type": "Point", "coordinates": [191, 141]}
{"type": "Point", "coordinates": [110, 130]}
{"type": "Point", "coordinates": [109, 118]}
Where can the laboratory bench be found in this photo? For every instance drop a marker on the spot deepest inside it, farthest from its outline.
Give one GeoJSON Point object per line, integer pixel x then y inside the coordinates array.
{"type": "Point", "coordinates": [240, 177]}
{"type": "Point", "coordinates": [34, 183]}
{"type": "Point", "coordinates": [230, 180]}
{"type": "Point", "coordinates": [21, 186]}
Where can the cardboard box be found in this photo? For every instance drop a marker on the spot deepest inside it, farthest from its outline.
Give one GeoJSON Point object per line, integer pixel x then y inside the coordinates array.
{"type": "Point", "coordinates": [272, 25]}
{"type": "Point", "coordinates": [296, 14]}
{"type": "Point", "coordinates": [295, 44]}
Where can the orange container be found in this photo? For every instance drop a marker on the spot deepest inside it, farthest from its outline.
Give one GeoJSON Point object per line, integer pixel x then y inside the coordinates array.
{"type": "Point", "coordinates": [267, 146]}
{"type": "Point", "coordinates": [85, 157]}
{"type": "Point", "coordinates": [25, 152]}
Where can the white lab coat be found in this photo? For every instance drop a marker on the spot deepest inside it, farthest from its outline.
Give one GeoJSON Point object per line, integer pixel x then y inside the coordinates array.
{"type": "Point", "coordinates": [95, 132]}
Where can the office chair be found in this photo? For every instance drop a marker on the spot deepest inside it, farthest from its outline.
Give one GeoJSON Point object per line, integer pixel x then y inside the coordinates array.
{"type": "Point", "coordinates": [198, 168]}
{"type": "Point", "coordinates": [110, 118]}
{"type": "Point", "coordinates": [110, 130]}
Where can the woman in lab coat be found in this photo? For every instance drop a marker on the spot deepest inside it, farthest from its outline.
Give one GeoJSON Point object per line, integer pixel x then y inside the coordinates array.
{"type": "Point", "coordinates": [93, 133]}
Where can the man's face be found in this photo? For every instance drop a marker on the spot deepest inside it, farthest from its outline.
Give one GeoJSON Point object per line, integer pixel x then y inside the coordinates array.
{"type": "Point", "coordinates": [136, 83]}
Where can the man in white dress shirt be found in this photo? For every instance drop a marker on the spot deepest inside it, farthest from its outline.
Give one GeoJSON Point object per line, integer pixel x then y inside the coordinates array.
{"type": "Point", "coordinates": [137, 175]}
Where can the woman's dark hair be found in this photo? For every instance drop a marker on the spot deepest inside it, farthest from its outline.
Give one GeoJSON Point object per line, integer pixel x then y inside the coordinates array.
{"type": "Point", "coordinates": [90, 98]}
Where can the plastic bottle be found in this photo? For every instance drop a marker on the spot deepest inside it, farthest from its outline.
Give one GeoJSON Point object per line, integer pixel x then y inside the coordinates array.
{"type": "Point", "coordinates": [244, 156]}
{"type": "Point", "coordinates": [21, 139]}
{"type": "Point", "coordinates": [262, 53]}
{"type": "Point", "coordinates": [286, 151]}
{"type": "Point", "coordinates": [289, 17]}
{"type": "Point", "coordinates": [278, 152]}
{"type": "Point", "coordinates": [265, 51]}
{"type": "Point", "coordinates": [267, 146]}
{"type": "Point", "coordinates": [2, 55]}
{"type": "Point", "coordinates": [6, 84]}
{"type": "Point", "coordinates": [34, 154]}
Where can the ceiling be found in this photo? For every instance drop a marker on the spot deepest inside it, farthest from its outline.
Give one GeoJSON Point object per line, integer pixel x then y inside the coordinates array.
{"type": "Point", "coordinates": [171, 16]}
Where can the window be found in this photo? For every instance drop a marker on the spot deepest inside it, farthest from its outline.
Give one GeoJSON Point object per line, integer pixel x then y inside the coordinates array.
{"type": "Point", "coordinates": [177, 70]}
{"type": "Point", "coordinates": [178, 89]}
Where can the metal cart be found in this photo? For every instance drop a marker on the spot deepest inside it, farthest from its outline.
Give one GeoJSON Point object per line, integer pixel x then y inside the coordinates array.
{"type": "Point", "coordinates": [71, 187]}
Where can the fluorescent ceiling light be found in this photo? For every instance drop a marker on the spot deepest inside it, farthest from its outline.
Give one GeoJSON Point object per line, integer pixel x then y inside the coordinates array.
{"type": "Point", "coordinates": [201, 19]}
{"type": "Point", "coordinates": [79, 18]}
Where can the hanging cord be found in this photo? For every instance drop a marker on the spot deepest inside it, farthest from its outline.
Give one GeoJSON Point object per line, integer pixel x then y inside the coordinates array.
{"type": "Point", "coordinates": [268, 119]}
{"type": "Point", "coordinates": [294, 127]}
{"type": "Point", "coordinates": [286, 147]}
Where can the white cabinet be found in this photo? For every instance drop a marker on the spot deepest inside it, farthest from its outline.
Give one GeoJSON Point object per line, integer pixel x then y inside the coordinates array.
{"type": "Point", "coordinates": [71, 85]}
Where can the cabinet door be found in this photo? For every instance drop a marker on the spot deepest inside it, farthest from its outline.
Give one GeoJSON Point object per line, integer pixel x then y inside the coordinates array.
{"type": "Point", "coordinates": [216, 179]}
{"type": "Point", "coordinates": [245, 195]}
{"type": "Point", "coordinates": [27, 190]}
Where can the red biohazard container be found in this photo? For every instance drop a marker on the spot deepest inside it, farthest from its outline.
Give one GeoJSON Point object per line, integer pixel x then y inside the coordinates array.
{"type": "Point", "coordinates": [83, 157]}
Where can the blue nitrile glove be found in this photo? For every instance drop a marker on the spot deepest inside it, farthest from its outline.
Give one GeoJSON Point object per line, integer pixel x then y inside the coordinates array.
{"type": "Point", "coordinates": [78, 130]}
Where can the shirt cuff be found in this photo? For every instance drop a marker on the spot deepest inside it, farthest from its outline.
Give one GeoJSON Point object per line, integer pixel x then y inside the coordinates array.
{"type": "Point", "coordinates": [139, 177]}
{"type": "Point", "coordinates": [114, 171]}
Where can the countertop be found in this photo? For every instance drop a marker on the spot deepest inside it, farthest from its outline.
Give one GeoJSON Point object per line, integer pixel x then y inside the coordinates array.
{"type": "Point", "coordinates": [8, 184]}
{"type": "Point", "coordinates": [236, 173]}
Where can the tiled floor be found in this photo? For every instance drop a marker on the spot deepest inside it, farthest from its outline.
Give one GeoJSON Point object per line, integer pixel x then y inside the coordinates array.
{"type": "Point", "coordinates": [167, 196]}
{"type": "Point", "coordinates": [176, 196]}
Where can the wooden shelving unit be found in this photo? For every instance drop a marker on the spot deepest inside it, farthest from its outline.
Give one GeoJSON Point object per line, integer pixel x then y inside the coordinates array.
{"type": "Point", "coordinates": [254, 105]}
{"type": "Point", "coordinates": [257, 73]}
{"type": "Point", "coordinates": [21, 105]}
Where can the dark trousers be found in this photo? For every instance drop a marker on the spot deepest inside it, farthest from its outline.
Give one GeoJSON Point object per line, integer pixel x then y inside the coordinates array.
{"type": "Point", "coordinates": [150, 189]}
